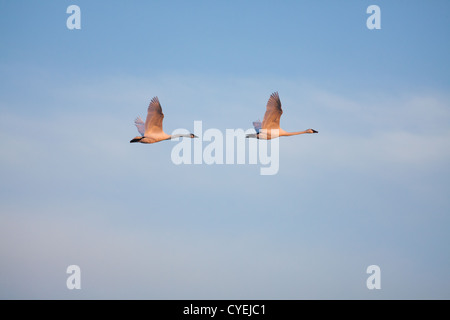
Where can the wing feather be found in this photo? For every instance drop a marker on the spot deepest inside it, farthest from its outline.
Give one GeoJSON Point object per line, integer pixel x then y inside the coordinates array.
{"type": "Point", "coordinates": [257, 125]}
{"type": "Point", "coordinates": [273, 113]}
{"type": "Point", "coordinates": [140, 125]}
{"type": "Point", "coordinates": [155, 116]}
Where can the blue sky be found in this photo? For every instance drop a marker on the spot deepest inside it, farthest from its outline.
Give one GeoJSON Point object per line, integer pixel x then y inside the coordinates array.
{"type": "Point", "coordinates": [370, 188]}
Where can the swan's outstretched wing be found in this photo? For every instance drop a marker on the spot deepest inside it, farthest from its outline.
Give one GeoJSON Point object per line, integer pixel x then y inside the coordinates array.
{"type": "Point", "coordinates": [273, 113]}
{"type": "Point", "coordinates": [257, 125]}
{"type": "Point", "coordinates": [153, 123]}
{"type": "Point", "coordinates": [140, 125]}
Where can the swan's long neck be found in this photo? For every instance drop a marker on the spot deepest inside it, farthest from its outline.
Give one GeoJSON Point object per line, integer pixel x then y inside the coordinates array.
{"type": "Point", "coordinates": [284, 133]}
{"type": "Point", "coordinates": [174, 136]}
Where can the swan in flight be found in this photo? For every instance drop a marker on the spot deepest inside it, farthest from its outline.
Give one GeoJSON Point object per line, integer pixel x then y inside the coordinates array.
{"type": "Point", "coordinates": [151, 131]}
{"type": "Point", "coordinates": [271, 122]}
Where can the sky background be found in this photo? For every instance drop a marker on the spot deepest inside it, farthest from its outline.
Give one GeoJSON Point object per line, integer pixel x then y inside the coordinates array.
{"type": "Point", "coordinates": [371, 188]}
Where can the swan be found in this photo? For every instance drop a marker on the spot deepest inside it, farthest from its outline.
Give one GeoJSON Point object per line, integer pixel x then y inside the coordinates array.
{"type": "Point", "coordinates": [271, 122]}
{"type": "Point", "coordinates": [151, 131]}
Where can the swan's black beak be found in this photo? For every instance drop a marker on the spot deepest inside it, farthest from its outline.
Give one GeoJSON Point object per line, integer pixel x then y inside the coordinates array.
{"type": "Point", "coordinates": [134, 140]}
{"type": "Point", "coordinates": [193, 135]}
{"type": "Point", "coordinates": [314, 131]}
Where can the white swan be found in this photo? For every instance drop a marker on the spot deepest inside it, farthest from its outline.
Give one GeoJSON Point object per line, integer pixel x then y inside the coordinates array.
{"type": "Point", "coordinates": [151, 131]}
{"type": "Point", "coordinates": [271, 122]}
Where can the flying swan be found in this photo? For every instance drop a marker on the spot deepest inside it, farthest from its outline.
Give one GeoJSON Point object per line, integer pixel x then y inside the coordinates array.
{"type": "Point", "coordinates": [151, 131]}
{"type": "Point", "coordinates": [271, 122]}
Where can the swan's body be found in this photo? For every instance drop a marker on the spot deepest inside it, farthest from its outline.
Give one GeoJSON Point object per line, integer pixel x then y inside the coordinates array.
{"type": "Point", "coordinates": [270, 127]}
{"type": "Point", "coordinates": [151, 131]}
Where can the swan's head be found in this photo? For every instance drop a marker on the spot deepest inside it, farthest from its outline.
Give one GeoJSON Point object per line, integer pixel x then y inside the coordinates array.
{"type": "Point", "coordinates": [193, 135]}
{"type": "Point", "coordinates": [311, 131]}
{"type": "Point", "coordinates": [137, 139]}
